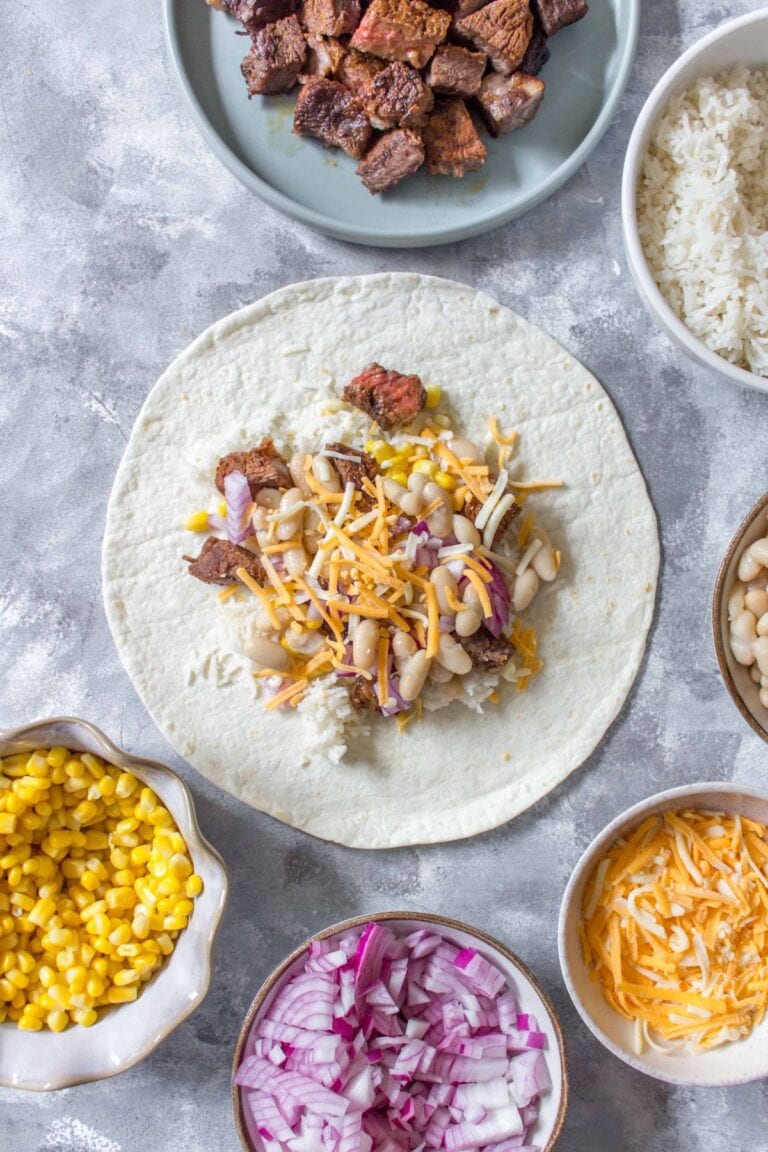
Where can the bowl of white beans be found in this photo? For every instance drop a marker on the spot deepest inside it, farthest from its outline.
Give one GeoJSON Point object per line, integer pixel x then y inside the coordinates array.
{"type": "Point", "coordinates": [740, 617]}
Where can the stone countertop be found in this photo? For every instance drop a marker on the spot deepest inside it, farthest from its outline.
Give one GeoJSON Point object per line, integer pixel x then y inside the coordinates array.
{"type": "Point", "coordinates": [124, 238]}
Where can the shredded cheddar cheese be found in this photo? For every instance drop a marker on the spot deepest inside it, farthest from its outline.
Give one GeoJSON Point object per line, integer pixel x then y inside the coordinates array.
{"type": "Point", "coordinates": [675, 928]}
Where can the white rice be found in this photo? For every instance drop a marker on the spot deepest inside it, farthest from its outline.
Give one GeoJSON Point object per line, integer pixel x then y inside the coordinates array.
{"type": "Point", "coordinates": [703, 213]}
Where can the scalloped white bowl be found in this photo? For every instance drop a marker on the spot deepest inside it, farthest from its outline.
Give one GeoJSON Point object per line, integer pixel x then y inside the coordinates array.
{"type": "Point", "coordinates": [125, 1034]}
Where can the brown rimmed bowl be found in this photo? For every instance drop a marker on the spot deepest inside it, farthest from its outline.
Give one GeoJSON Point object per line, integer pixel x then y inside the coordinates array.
{"type": "Point", "coordinates": [532, 999]}
{"type": "Point", "coordinates": [743, 690]}
{"type": "Point", "coordinates": [126, 1033]}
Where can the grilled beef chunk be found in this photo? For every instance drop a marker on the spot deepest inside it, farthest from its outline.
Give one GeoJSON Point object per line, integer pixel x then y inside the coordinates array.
{"type": "Point", "coordinates": [262, 466]}
{"type": "Point", "coordinates": [219, 561]}
{"type": "Point", "coordinates": [407, 30]}
{"type": "Point", "coordinates": [472, 508]}
{"type": "Point", "coordinates": [277, 53]}
{"type": "Point", "coordinates": [254, 14]}
{"type": "Point", "coordinates": [537, 53]}
{"type": "Point", "coordinates": [329, 17]}
{"type": "Point", "coordinates": [451, 141]}
{"type": "Point", "coordinates": [394, 156]}
{"type": "Point", "coordinates": [486, 651]}
{"type": "Point", "coordinates": [507, 103]}
{"type": "Point", "coordinates": [389, 397]}
{"type": "Point", "coordinates": [501, 29]}
{"type": "Point", "coordinates": [362, 695]}
{"type": "Point", "coordinates": [557, 14]}
{"type": "Point", "coordinates": [356, 69]}
{"type": "Point", "coordinates": [349, 472]}
{"type": "Point", "coordinates": [397, 97]}
{"type": "Point", "coordinates": [328, 110]}
{"type": "Point", "coordinates": [324, 57]}
{"type": "Point", "coordinates": [456, 71]}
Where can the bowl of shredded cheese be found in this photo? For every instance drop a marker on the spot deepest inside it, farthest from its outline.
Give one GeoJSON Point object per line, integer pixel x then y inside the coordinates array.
{"type": "Point", "coordinates": [110, 899]}
{"type": "Point", "coordinates": [663, 935]}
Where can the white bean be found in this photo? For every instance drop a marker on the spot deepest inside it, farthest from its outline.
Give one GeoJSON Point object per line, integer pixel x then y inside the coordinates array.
{"type": "Point", "coordinates": [261, 621]}
{"type": "Point", "coordinates": [464, 449]}
{"type": "Point", "coordinates": [438, 674]}
{"type": "Point", "coordinates": [525, 589]}
{"type": "Point", "coordinates": [763, 696]}
{"type": "Point", "coordinates": [755, 673]}
{"type": "Point", "coordinates": [324, 471]}
{"type": "Point", "coordinates": [295, 560]}
{"type": "Point", "coordinates": [287, 529]}
{"type": "Point", "coordinates": [444, 581]}
{"type": "Point", "coordinates": [365, 644]}
{"type": "Point", "coordinates": [411, 503]}
{"type": "Point", "coordinates": [736, 601]}
{"type": "Point", "coordinates": [544, 563]}
{"type": "Point", "coordinates": [752, 560]}
{"type": "Point", "coordinates": [743, 627]}
{"type": "Point", "coordinates": [266, 654]}
{"type": "Point", "coordinates": [403, 646]}
{"type": "Point", "coordinates": [468, 622]}
{"type": "Point", "coordinates": [756, 600]}
{"type": "Point", "coordinates": [306, 641]}
{"type": "Point", "coordinates": [417, 482]}
{"type": "Point", "coordinates": [413, 674]}
{"type": "Point", "coordinates": [759, 551]}
{"type": "Point", "coordinates": [268, 498]}
{"type": "Point", "coordinates": [260, 526]}
{"type": "Point", "coordinates": [471, 599]}
{"type": "Point", "coordinates": [441, 520]}
{"type": "Point", "coordinates": [762, 625]}
{"type": "Point", "coordinates": [742, 651]}
{"type": "Point", "coordinates": [760, 649]}
{"type": "Point", "coordinates": [452, 656]}
{"type": "Point", "coordinates": [298, 466]}
{"type": "Point", "coordinates": [465, 531]}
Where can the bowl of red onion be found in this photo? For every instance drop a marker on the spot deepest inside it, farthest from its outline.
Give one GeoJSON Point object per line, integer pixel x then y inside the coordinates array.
{"type": "Point", "coordinates": [400, 1032]}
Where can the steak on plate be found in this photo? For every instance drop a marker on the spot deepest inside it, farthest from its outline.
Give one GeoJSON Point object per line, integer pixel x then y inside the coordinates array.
{"type": "Point", "coordinates": [277, 53]}
{"type": "Point", "coordinates": [501, 29]}
{"type": "Point", "coordinates": [219, 561]}
{"type": "Point", "coordinates": [324, 57]}
{"type": "Point", "coordinates": [394, 156]}
{"type": "Point", "coordinates": [357, 69]}
{"type": "Point", "coordinates": [509, 102]}
{"type": "Point", "coordinates": [389, 397]}
{"type": "Point", "coordinates": [397, 97]}
{"type": "Point", "coordinates": [407, 30]}
{"type": "Point", "coordinates": [263, 467]}
{"type": "Point", "coordinates": [557, 14]}
{"type": "Point", "coordinates": [362, 695]}
{"type": "Point", "coordinates": [329, 17]}
{"type": "Point", "coordinates": [451, 141]}
{"type": "Point", "coordinates": [253, 14]}
{"type": "Point", "coordinates": [537, 53]}
{"type": "Point", "coordinates": [355, 473]}
{"type": "Point", "coordinates": [329, 111]}
{"type": "Point", "coordinates": [486, 651]}
{"type": "Point", "coordinates": [456, 71]}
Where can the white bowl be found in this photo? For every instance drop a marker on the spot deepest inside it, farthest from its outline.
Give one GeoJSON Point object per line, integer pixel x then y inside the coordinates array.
{"type": "Point", "coordinates": [736, 1063]}
{"type": "Point", "coordinates": [740, 41]}
{"type": "Point", "coordinates": [531, 997]}
{"type": "Point", "coordinates": [125, 1034]}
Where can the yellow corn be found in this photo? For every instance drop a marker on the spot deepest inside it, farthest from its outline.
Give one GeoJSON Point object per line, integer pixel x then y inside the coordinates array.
{"type": "Point", "coordinates": [197, 522]}
{"type": "Point", "coordinates": [95, 885]}
{"type": "Point", "coordinates": [445, 480]}
{"type": "Point", "coordinates": [433, 396]}
{"type": "Point", "coordinates": [380, 450]}
{"type": "Point", "coordinates": [425, 467]}
{"type": "Point", "coordinates": [399, 478]}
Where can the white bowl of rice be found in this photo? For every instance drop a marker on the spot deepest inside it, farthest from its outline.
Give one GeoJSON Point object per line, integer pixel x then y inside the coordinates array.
{"type": "Point", "coordinates": [695, 201]}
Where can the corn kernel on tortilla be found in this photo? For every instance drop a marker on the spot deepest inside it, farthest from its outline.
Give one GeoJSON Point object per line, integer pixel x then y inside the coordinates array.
{"type": "Point", "coordinates": [274, 368]}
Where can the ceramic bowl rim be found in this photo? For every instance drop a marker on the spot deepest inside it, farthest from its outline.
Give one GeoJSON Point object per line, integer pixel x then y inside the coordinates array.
{"type": "Point", "coordinates": [187, 823]}
{"type": "Point", "coordinates": [620, 823]}
{"type": "Point", "coordinates": [638, 262]}
{"type": "Point", "coordinates": [428, 918]}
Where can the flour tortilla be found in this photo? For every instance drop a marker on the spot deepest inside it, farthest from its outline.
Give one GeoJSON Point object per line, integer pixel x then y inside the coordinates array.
{"type": "Point", "coordinates": [268, 369]}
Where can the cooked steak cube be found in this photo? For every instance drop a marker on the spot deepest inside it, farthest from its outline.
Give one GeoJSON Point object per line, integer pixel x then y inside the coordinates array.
{"type": "Point", "coordinates": [451, 141]}
{"type": "Point", "coordinates": [557, 14]}
{"type": "Point", "coordinates": [502, 29]}
{"type": "Point", "coordinates": [263, 467]}
{"type": "Point", "coordinates": [389, 397]}
{"type": "Point", "coordinates": [254, 14]}
{"type": "Point", "coordinates": [507, 103]}
{"type": "Point", "coordinates": [486, 651]}
{"type": "Point", "coordinates": [472, 508]}
{"type": "Point", "coordinates": [407, 30]}
{"type": "Point", "coordinates": [277, 53]}
{"type": "Point", "coordinates": [394, 156]}
{"type": "Point", "coordinates": [219, 561]}
{"type": "Point", "coordinates": [324, 57]}
{"type": "Point", "coordinates": [362, 695]}
{"type": "Point", "coordinates": [329, 111]}
{"type": "Point", "coordinates": [456, 71]}
{"type": "Point", "coordinates": [537, 53]}
{"type": "Point", "coordinates": [397, 96]}
{"type": "Point", "coordinates": [357, 69]}
{"type": "Point", "coordinates": [350, 472]}
{"type": "Point", "coordinates": [329, 17]}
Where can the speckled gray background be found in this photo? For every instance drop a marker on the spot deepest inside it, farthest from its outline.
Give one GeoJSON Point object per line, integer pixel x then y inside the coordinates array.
{"type": "Point", "coordinates": [122, 239]}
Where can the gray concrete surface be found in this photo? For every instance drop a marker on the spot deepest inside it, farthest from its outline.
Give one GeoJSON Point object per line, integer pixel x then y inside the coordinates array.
{"type": "Point", "coordinates": [122, 239]}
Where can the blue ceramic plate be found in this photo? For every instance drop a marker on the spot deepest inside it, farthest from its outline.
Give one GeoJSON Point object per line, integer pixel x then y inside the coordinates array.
{"type": "Point", "coordinates": [585, 78]}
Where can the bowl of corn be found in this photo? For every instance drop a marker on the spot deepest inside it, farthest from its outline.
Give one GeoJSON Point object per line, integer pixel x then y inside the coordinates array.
{"type": "Point", "coordinates": [110, 900]}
